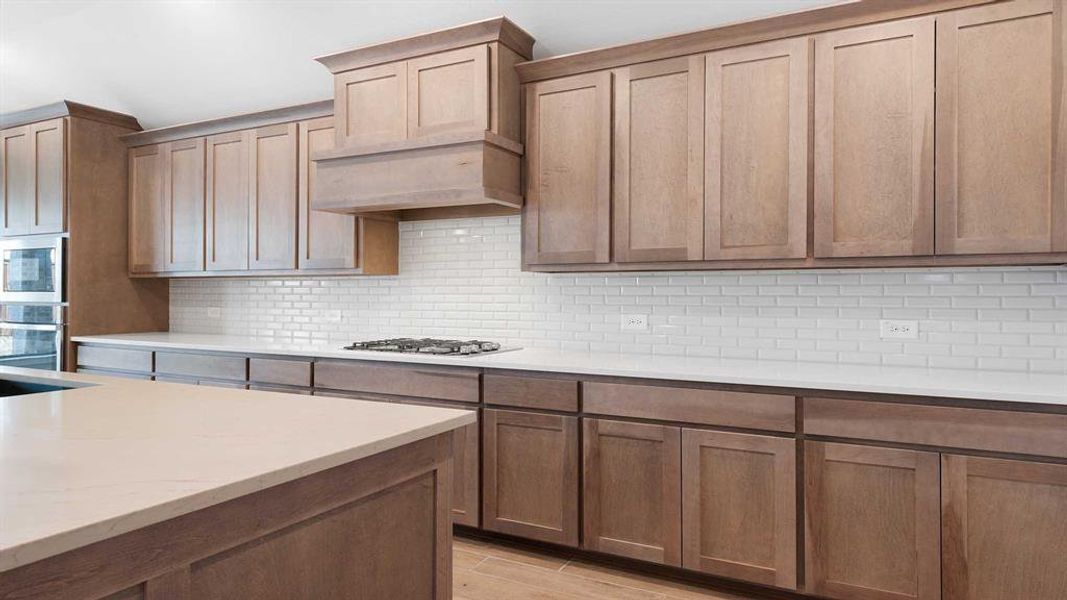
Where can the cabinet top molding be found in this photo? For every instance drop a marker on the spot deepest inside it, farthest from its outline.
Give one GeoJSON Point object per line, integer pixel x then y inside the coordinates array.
{"type": "Point", "coordinates": [850, 13]}
{"type": "Point", "coordinates": [67, 108]}
{"type": "Point", "coordinates": [496, 29]}
{"type": "Point", "coordinates": [274, 116]}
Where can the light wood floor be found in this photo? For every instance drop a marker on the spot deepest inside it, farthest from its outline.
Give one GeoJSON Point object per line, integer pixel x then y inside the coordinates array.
{"type": "Point", "coordinates": [484, 571]}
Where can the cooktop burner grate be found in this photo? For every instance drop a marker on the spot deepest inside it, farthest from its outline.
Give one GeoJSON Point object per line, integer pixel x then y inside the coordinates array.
{"type": "Point", "coordinates": [426, 346]}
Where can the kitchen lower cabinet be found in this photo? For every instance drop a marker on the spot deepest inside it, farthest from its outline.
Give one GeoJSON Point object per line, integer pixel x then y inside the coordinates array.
{"type": "Point", "coordinates": [466, 462]}
{"type": "Point", "coordinates": [872, 522]}
{"type": "Point", "coordinates": [530, 484]}
{"type": "Point", "coordinates": [1004, 529]}
{"type": "Point", "coordinates": [631, 501]}
{"type": "Point", "coordinates": [739, 506]}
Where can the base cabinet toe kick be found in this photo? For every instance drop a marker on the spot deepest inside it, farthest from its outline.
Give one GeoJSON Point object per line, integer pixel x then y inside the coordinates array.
{"type": "Point", "coordinates": [822, 493]}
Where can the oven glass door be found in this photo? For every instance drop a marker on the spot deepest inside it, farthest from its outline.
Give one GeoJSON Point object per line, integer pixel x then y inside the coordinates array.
{"type": "Point", "coordinates": [31, 346]}
{"type": "Point", "coordinates": [31, 271]}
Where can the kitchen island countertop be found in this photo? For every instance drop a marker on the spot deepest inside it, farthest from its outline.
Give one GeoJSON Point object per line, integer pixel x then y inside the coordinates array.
{"type": "Point", "coordinates": [113, 455]}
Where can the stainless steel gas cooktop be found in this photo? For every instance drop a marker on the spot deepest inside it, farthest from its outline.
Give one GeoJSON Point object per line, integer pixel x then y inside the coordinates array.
{"type": "Point", "coordinates": [428, 346]}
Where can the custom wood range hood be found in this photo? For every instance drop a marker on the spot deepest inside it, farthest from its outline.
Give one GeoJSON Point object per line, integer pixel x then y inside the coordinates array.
{"type": "Point", "coordinates": [427, 126]}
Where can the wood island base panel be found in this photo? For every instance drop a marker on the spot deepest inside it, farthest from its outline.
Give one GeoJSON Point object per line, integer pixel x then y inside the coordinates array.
{"type": "Point", "coordinates": [378, 525]}
{"type": "Point", "coordinates": [768, 491]}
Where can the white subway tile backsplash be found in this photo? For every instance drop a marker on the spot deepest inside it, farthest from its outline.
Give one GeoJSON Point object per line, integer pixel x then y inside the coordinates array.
{"type": "Point", "coordinates": [461, 278]}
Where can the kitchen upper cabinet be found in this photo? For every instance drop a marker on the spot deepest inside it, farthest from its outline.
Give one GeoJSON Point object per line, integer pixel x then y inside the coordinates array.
{"type": "Point", "coordinates": [227, 212]}
{"type": "Point", "coordinates": [874, 140]}
{"type": "Point", "coordinates": [1002, 129]}
{"type": "Point", "coordinates": [530, 475]}
{"type": "Point", "coordinates": [183, 205]}
{"type": "Point", "coordinates": [327, 240]}
{"type": "Point", "coordinates": [659, 161]}
{"type": "Point", "coordinates": [567, 217]}
{"type": "Point", "coordinates": [872, 522]}
{"type": "Point", "coordinates": [448, 91]}
{"type": "Point", "coordinates": [147, 208]}
{"type": "Point", "coordinates": [631, 505]}
{"type": "Point", "coordinates": [33, 187]}
{"type": "Point", "coordinates": [739, 506]}
{"type": "Point", "coordinates": [371, 104]}
{"type": "Point", "coordinates": [756, 158]}
{"type": "Point", "coordinates": [272, 197]}
{"type": "Point", "coordinates": [1004, 530]}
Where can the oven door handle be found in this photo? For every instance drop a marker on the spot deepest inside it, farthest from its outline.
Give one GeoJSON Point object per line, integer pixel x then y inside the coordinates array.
{"type": "Point", "coordinates": [31, 326]}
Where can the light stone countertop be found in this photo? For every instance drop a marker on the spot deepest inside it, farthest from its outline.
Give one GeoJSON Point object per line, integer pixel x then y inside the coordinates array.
{"type": "Point", "coordinates": [1000, 386]}
{"type": "Point", "coordinates": [87, 464]}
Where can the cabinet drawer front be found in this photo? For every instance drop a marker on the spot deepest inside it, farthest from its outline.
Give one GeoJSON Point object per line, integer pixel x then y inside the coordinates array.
{"type": "Point", "coordinates": [201, 365]}
{"type": "Point", "coordinates": [121, 374]}
{"type": "Point", "coordinates": [279, 372]}
{"type": "Point", "coordinates": [979, 429]}
{"type": "Point", "coordinates": [279, 388]}
{"type": "Point", "coordinates": [445, 383]}
{"type": "Point", "coordinates": [531, 392]}
{"type": "Point", "coordinates": [122, 359]}
{"type": "Point", "coordinates": [773, 412]}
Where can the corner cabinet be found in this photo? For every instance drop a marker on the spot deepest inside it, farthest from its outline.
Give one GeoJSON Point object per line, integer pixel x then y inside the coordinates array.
{"type": "Point", "coordinates": [567, 216]}
{"type": "Point", "coordinates": [33, 176]}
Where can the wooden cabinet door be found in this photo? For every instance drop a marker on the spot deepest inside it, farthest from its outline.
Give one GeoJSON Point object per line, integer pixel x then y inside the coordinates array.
{"type": "Point", "coordinates": [448, 91]}
{"type": "Point", "coordinates": [659, 161]}
{"type": "Point", "coordinates": [272, 197]}
{"type": "Point", "coordinates": [466, 460]}
{"type": "Point", "coordinates": [631, 502]}
{"type": "Point", "coordinates": [531, 475]}
{"type": "Point", "coordinates": [1002, 129]}
{"type": "Point", "coordinates": [183, 205]}
{"type": "Point", "coordinates": [739, 506]}
{"type": "Point", "coordinates": [874, 140]}
{"type": "Point", "coordinates": [1004, 529]}
{"type": "Point", "coordinates": [34, 175]}
{"type": "Point", "coordinates": [756, 200]}
{"type": "Point", "coordinates": [227, 202]}
{"type": "Point", "coordinates": [872, 522]}
{"type": "Point", "coordinates": [371, 105]}
{"type": "Point", "coordinates": [48, 208]}
{"type": "Point", "coordinates": [16, 187]}
{"type": "Point", "coordinates": [327, 240]}
{"type": "Point", "coordinates": [147, 209]}
{"type": "Point", "coordinates": [567, 217]}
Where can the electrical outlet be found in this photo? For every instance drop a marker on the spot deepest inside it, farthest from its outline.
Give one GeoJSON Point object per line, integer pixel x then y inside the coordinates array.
{"type": "Point", "coordinates": [899, 330]}
{"type": "Point", "coordinates": [635, 322]}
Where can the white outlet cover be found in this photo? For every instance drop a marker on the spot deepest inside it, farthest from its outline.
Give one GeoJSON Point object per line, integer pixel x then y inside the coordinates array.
{"type": "Point", "coordinates": [898, 330]}
{"type": "Point", "coordinates": [635, 322]}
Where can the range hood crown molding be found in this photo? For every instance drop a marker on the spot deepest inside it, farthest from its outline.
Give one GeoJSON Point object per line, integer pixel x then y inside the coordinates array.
{"type": "Point", "coordinates": [496, 29]}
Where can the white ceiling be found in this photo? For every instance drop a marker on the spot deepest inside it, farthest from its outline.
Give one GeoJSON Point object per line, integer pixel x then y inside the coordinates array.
{"type": "Point", "coordinates": [175, 61]}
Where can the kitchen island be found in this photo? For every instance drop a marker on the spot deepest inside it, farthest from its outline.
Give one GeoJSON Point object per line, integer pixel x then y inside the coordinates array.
{"type": "Point", "coordinates": [116, 488]}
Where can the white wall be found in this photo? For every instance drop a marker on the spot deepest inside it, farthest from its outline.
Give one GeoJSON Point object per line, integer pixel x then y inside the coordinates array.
{"type": "Point", "coordinates": [461, 278]}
